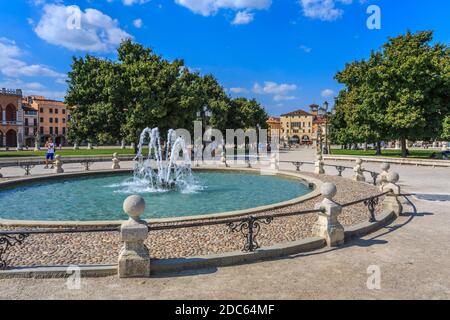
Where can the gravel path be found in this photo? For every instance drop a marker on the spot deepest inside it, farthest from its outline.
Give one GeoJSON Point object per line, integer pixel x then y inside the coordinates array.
{"type": "Point", "coordinates": [103, 248]}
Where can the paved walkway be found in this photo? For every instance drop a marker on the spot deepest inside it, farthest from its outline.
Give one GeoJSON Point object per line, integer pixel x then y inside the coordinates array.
{"type": "Point", "coordinates": [412, 255]}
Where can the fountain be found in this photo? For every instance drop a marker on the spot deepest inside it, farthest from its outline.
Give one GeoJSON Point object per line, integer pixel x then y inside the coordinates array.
{"type": "Point", "coordinates": [162, 169]}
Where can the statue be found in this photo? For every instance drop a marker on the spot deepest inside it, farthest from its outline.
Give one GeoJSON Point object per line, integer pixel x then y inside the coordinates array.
{"type": "Point", "coordinates": [37, 141]}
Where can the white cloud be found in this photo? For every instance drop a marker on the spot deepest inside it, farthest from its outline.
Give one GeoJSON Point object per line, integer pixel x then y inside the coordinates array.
{"type": "Point", "coordinates": [239, 90]}
{"type": "Point", "coordinates": [74, 29]}
{"type": "Point", "coordinates": [243, 17]}
{"type": "Point", "coordinates": [131, 2]}
{"type": "Point", "coordinates": [305, 49]}
{"type": "Point", "coordinates": [210, 7]}
{"type": "Point", "coordinates": [325, 10]}
{"type": "Point", "coordinates": [32, 88]}
{"type": "Point", "coordinates": [279, 97]}
{"type": "Point", "coordinates": [327, 93]}
{"type": "Point", "coordinates": [279, 91]}
{"type": "Point", "coordinates": [273, 88]}
{"type": "Point", "coordinates": [138, 23]}
{"type": "Point", "coordinates": [11, 64]}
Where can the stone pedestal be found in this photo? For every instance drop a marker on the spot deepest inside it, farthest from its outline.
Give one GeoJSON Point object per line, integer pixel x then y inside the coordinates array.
{"type": "Point", "coordinates": [75, 146]}
{"type": "Point", "coordinates": [58, 165]}
{"type": "Point", "coordinates": [318, 165]}
{"type": "Point", "coordinates": [89, 146]}
{"type": "Point", "coordinates": [359, 172]}
{"type": "Point", "coordinates": [223, 160]}
{"type": "Point", "coordinates": [392, 202]}
{"type": "Point", "coordinates": [122, 145]}
{"type": "Point", "coordinates": [134, 257]}
{"type": "Point", "coordinates": [37, 147]}
{"type": "Point", "coordinates": [115, 162]}
{"type": "Point", "coordinates": [274, 161]}
{"type": "Point", "coordinates": [327, 225]}
{"type": "Point", "coordinates": [382, 179]}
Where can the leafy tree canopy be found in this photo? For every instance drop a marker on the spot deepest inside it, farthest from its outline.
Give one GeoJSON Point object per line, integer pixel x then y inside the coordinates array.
{"type": "Point", "coordinates": [114, 100]}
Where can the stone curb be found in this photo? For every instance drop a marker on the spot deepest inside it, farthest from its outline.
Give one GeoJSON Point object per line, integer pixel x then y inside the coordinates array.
{"type": "Point", "coordinates": [211, 261]}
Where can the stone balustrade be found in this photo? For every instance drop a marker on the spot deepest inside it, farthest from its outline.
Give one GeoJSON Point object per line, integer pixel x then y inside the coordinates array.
{"type": "Point", "coordinates": [115, 162]}
{"type": "Point", "coordinates": [328, 225]}
{"type": "Point", "coordinates": [134, 257]}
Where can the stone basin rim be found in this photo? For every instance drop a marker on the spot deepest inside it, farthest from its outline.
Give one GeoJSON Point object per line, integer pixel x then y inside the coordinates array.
{"type": "Point", "coordinates": [315, 192]}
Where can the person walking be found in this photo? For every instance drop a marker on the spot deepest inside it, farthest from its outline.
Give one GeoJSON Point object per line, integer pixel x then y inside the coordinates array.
{"type": "Point", "coordinates": [50, 146]}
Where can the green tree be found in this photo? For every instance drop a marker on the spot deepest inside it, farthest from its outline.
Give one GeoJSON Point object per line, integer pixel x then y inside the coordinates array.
{"type": "Point", "coordinates": [401, 92]}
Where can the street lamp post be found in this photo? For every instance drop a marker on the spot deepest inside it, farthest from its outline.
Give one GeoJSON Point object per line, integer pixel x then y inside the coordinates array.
{"type": "Point", "coordinates": [323, 113]}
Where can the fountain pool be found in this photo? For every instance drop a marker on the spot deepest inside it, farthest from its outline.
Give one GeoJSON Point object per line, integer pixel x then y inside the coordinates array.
{"type": "Point", "coordinates": [100, 197]}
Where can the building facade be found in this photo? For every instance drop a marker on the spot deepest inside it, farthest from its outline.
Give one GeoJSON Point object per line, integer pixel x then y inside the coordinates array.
{"type": "Point", "coordinates": [30, 124]}
{"type": "Point", "coordinates": [53, 119]}
{"type": "Point", "coordinates": [11, 118]}
{"type": "Point", "coordinates": [297, 127]}
{"type": "Point", "coordinates": [273, 124]}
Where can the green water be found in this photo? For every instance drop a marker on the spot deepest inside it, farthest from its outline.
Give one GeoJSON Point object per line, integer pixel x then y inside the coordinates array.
{"type": "Point", "coordinates": [101, 197]}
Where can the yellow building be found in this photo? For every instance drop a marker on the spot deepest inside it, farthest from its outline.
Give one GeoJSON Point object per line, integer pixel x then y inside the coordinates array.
{"type": "Point", "coordinates": [297, 127]}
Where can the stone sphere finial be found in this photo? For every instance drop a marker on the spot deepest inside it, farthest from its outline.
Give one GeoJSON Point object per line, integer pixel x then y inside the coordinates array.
{"type": "Point", "coordinates": [58, 157]}
{"type": "Point", "coordinates": [358, 161]}
{"type": "Point", "coordinates": [393, 177]}
{"type": "Point", "coordinates": [134, 206]}
{"type": "Point", "coordinates": [385, 166]}
{"type": "Point", "coordinates": [328, 190]}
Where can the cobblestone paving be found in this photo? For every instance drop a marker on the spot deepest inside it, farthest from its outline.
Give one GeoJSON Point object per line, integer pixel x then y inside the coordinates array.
{"type": "Point", "coordinates": [103, 248]}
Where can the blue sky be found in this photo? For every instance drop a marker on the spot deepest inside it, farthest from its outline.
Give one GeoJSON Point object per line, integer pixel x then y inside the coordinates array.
{"type": "Point", "coordinates": [284, 53]}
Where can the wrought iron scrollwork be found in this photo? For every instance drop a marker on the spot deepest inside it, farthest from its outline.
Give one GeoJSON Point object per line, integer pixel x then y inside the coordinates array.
{"type": "Point", "coordinates": [87, 164]}
{"type": "Point", "coordinates": [27, 167]}
{"type": "Point", "coordinates": [340, 169]}
{"type": "Point", "coordinates": [7, 241]}
{"type": "Point", "coordinates": [249, 228]}
{"type": "Point", "coordinates": [297, 165]}
{"type": "Point", "coordinates": [371, 203]}
{"type": "Point", "coordinates": [374, 177]}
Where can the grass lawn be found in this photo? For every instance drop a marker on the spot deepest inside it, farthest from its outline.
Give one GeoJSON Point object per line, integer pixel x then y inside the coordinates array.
{"type": "Point", "coordinates": [66, 153]}
{"type": "Point", "coordinates": [419, 154]}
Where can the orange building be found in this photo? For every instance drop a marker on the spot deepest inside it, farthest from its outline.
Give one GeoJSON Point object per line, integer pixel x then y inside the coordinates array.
{"type": "Point", "coordinates": [53, 119]}
{"type": "Point", "coordinates": [11, 118]}
{"type": "Point", "coordinates": [273, 123]}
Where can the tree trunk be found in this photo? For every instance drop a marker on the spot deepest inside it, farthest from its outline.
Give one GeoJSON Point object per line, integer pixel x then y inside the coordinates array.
{"type": "Point", "coordinates": [378, 152]}
{"type": "Point", "coordinates": [404, 147]}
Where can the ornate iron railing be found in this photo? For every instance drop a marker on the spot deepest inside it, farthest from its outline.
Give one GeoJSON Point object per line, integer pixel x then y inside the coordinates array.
{"type": "Point", "coordinates": [11, 238]}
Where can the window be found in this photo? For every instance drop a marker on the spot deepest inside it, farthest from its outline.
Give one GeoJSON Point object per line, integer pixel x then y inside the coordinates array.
{"type": "Point", "coordinates": [51, 120]}
{"type": "Point", "coordinates": [41, 129]}
{"type": "Point", "coordinates": [26, 122]}
{"type": "Point", "coordinates": [50, 110]}
{"type": "Point", "coordinates": [34, 122]}
{"type": "Point", "coordinates": [51, 130]}
{"type": "Point", "coordinates": [56, 111]}
{"type": "Point", "coordinates": [41, 110]}
{"type": "Point", "coordinates": [64, 130]}
{"type": "Point", "coordinates": [64, 120]}
{"type": "Point", "coordinates": [56, 130]}
{"type": "Point", "coordinates": [63, 111]}
{"type": "Point", "coordinates": [27, 131]}
{"type": "Point", "coordinates": [56, 120]}
{"type": "Point", "coordinates": [41, 119]}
